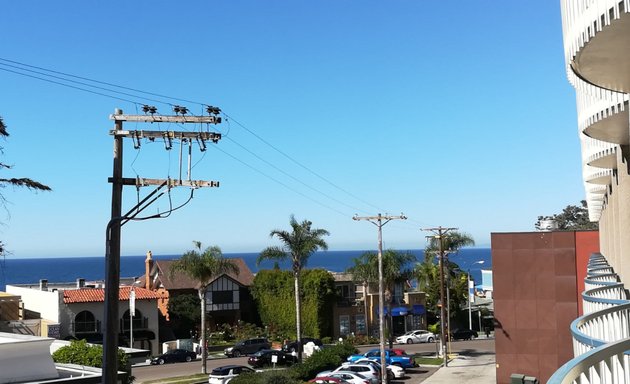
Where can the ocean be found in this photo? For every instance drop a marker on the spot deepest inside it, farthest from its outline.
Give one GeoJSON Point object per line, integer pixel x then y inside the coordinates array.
{"type": "Point", "coordinates": [69, 269]}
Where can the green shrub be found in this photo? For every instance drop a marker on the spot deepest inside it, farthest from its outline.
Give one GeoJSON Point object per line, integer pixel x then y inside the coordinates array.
{"type": "Point", "coordinates": [324, 359]}
{"type": "Point", "coordinates": [326, 340]}
{"type": "Point", "coordinates": [81, 353]}
{"type": "Point", "coordinates": [434, 328]}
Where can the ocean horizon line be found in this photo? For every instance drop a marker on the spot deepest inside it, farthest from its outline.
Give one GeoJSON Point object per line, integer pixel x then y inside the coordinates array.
{"type": "Point", "coordinates": [9, 257]}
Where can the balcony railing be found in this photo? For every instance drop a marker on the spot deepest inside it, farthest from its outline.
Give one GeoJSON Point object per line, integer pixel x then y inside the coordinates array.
{"type": "Point", "coordinates": [78, 328]}
{"type": "Point", "coordinates": [601, 338]}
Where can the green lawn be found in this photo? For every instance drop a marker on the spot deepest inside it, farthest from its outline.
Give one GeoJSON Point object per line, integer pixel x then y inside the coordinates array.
{"type": "Point", "coordinates": [429, 360]}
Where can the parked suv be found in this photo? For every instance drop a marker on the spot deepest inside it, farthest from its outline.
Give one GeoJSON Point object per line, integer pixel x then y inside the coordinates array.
{"type": "Point", "coordinates": [292, 346]}
{"type": "Point", "coordinates": [247, 347]}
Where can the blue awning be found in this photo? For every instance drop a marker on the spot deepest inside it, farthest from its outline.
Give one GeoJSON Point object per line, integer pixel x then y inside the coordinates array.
{"type": "Point", "coordinates": [418, 309]}
{"type": "Point", "coordinates": [401, 311]}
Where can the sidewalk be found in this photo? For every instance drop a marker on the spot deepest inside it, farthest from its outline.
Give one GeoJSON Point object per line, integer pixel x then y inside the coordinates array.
{"type": "Point", "coordinates": [471, 368]}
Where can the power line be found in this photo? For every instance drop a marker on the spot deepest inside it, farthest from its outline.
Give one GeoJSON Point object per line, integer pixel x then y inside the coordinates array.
{"type": "Point", "coordinates": [137, 102]}
{"type": "Point", "coordinates": [281, 183]}
{"type": "Point", "coordinates": [300, 164]}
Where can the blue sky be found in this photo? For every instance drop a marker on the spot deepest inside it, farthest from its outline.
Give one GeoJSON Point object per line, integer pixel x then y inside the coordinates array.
{"type": "Point", "coordinates": [458, 114]}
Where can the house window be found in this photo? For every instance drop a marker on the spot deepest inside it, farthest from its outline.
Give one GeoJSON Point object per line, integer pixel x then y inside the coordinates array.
{"type": "Point", "coordinates": [360, 324]}
{"type": "Point", "coordinates": [137, 320]}
{"type": "Point", "coordinates": [84, 322]}
{"type": "Point", "coordinates": [222, 297]}
{"type": "Point", "coordinates": [344, 325]}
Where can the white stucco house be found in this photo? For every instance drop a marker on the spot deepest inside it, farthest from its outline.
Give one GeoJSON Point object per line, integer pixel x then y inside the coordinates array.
{"type": "Point", "coordinates": [71, 311]}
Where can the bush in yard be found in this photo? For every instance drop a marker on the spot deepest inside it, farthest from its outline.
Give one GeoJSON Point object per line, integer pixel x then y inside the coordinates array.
{"type": "Point", "coordinates": [81, 353]}
{"type": "Point", "coordinates": [324, 359]}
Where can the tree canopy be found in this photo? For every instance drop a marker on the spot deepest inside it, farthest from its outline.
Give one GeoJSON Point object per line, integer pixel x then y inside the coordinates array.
{"type": "Point", "coordinates": [203, 266]}
{"type": "Point", "coordinates": [572, 217]}
{"type": "Point", "coordinates": [297, 245]}
{"type": "Point", "coordinates": [13, 181]}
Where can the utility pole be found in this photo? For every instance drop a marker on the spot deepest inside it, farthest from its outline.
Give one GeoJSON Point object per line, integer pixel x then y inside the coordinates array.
{"type": "Point", "coordinates": [112, 241]}
{"type": "Point", "coordinates": [439, 233]}
{"type": "Point", "coordinates": [380, 221]}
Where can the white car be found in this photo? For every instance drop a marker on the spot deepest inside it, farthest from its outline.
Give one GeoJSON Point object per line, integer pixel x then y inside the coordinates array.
{"type": "Point", "coordinates": [418, 336]}
{"type": "Point", "coordinates": [397, 372]}
{"type": "Point", "coordinates": [350, 377]}
{"type": "Point", "coordinates": [224, 374]}
{"type": "Point", "coordinates": [370, 373]}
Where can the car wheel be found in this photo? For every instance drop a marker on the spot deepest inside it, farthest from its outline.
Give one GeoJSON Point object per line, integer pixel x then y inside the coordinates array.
{"type": "Point", "coordinates": [430, 340]}
{"type": "Point", "coordinates": [236, 353]}
{"type": "Point", "coordinates": [188, 359]}
{"type": "Point", "coordinates": [161, 361]}
{"type": "Point", "coordinates": [409, 341]}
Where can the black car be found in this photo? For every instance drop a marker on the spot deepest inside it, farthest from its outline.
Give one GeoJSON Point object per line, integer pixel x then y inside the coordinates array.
{"type": "Point", "coordinates": [293, 345]}
{"type": "Point", "coordinates": [174, 355]}
{"type": "Point", "coordinates": [266, 357]}
{"type": "Point", "coordinates": [226, 373]}
{"type": "Point", "coordinates": [247, 347]}
{"type": "Point", "coordinates": [463, 334]}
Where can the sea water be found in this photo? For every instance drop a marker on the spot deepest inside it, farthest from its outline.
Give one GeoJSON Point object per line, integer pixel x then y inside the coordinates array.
{"type": "Point", "coordinates": [69, 269]}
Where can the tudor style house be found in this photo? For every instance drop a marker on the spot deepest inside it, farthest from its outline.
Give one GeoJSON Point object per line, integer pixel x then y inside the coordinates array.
{"type": "Point", "coordinates": [77, 312]}
{"type": "Point", "coordinates": [228, 298]}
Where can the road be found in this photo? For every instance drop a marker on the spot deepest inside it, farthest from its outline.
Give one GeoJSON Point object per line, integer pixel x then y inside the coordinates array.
{"type": "Point", "coordinates": [417, 375]}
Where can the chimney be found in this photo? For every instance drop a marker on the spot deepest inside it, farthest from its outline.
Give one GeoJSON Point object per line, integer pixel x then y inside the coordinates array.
{"type": "Point", "coordinates": [43, 284]}
{"type": "Point", "coordinates": [80, 283]}
{"type": "Point", "coordinates": [148, 266]}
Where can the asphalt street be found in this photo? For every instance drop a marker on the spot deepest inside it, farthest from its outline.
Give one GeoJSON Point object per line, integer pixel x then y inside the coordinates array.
{"type": "Point", "coordinates": [417, 375]}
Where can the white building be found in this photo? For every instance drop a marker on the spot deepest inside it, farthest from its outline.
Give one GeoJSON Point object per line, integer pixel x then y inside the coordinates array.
{"type": "Point", "coordinates": [77, 311]}
{"type": "Point", "coordinates": [26, 359]}
{"type": "Point", "coordinates": [596, 40]}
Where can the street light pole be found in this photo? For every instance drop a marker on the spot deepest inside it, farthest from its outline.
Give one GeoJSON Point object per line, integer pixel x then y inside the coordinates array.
{"type": "Point", "coordinates": [132, 313]}
{"type": "Point", "coordinates": [471, 296]}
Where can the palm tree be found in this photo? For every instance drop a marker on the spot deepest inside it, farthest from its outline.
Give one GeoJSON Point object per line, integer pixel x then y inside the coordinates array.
{"type": "Point", "coordinates": [297, 246]}
{"type": "Point", "coordinates": [363, 273]}
{"type": "Point", "coordinates": [394, 262]}
{"type": "Point", "coordinates": [203, 266]}
{"type": "Point", "coordinates": [451, 243]}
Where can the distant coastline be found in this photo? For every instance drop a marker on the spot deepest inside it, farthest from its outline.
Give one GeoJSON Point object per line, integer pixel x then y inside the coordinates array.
{"type": "Point", "coordinates": [68, 269]}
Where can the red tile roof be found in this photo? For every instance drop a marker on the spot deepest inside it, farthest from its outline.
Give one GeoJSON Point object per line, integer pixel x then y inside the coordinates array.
{"type": "Point", "coordinates": [93, 295]}
{"type": "Point", "coordinates": [180, 280]}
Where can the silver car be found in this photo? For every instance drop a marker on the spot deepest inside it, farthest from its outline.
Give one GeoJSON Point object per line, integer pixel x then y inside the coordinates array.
{"type": "Point", "coordinates": [417, 336]}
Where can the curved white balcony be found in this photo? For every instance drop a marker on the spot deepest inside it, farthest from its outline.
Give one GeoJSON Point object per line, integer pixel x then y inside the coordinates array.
{"type": "Point", "coordinates": [600, 337]}
{"type": "Point", "coordinates": [596, 37]}
{"type": "Point", "coordinates": [599, 176]}
{"type": "Point", "coordinates": [602, 115]}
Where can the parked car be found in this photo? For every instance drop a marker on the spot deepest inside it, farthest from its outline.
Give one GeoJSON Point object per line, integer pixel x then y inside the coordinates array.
{"type": "Point", "coordinates": [393, 371]}
{"type": "Point", "coordinates": [390, 358]}
{"type": "Point", "coordinates": [417, 336]}
{"type": "Point", "coordinates": [174, 355]}
{"type": "Point", "coordinates": [265, 357]}
{"type": "Point", "coordinates": [463, 334]}
{"type": "Point", "coordinates": [398, 352]}
{"type": "Point", "coordinates": [293, 345]}
{"type": "Point", "coordinates": [343, 377]}
{"type": "Point", "coordinates": [370, 372]}
{"type": "Point", "coordinates": [246, 347]}
{"type": "Point", "coordinates": [224, 374]}
{"type": "Point", "coordinates": [331, 380]}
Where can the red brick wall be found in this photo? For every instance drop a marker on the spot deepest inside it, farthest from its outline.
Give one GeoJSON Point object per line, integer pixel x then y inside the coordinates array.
{"type": "Point", "coordinates": [586, 243]}
{"type": "Point", "coordinates": [535, 300]}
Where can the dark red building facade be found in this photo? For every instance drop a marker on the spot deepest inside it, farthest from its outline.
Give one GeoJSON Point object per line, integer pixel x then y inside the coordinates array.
{"type": "Point", "coordinates": [538, 278]}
